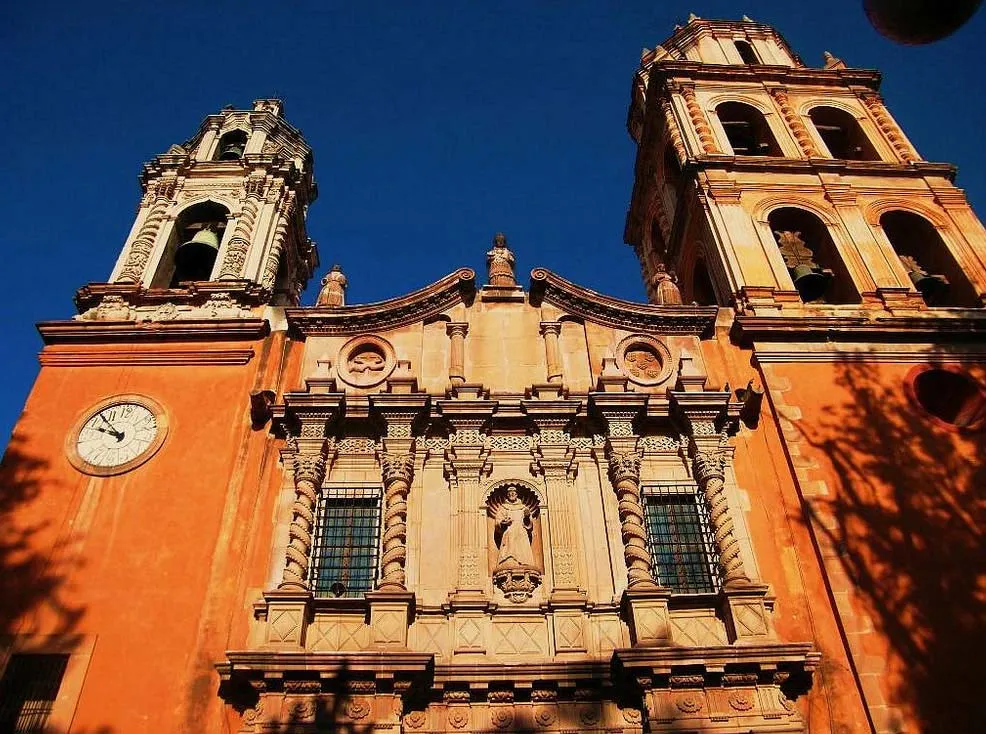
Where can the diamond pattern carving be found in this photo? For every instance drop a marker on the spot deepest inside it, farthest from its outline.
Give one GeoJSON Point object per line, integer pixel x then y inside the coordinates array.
{"type": "Point", "coordinates": [335, 634]}
{"type": "Point", "coordinates": [568, 633]}
{"type": "Point", "coordinates": [749, 618]}
{"type": "Point", "coordinates": [470, 634]}
{"type": "Point", "coordinates": [284, 624]}
{"type": "Point", "coordinates": [610, 635]}
{"type": "Point", "coordinates": [697, 631]}
{"type": "Point", "coordinates": [432, 637]}
{"type": "Point", "coordinates": [519, 638]}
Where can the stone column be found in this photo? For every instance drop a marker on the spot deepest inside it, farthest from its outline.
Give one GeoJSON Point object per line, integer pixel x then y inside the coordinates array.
{"type": "Point", "coordinates": [284, 214]}
{"type": "Point", "coordinates": [674, 134]}
{"type": "Point", "coordinates": [624, 473]}
{"type": "Point", "coordinates": [699, 122]}
{"type": "Point", "coordinates": [457, 331]}
{"type": "Point", "coordinates": [708, 470]}
{"type": "Point", "coordinates": [309, 471]}
{"type": "Point", "coordinates": [794, 122]}
{"type": "Point", "coordinates": [397, 470]}
{"type": "Point", "coordinates": [874, 103]}
{"type": "Point", "coordinates": [239, 244]}
{"type": "Point", "coordinates": [142, 246]}
{"type": "Point", "coordinates": [551, 330]}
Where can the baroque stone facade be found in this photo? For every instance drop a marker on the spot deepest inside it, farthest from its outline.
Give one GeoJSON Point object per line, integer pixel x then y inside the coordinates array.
{"type": "Point", "coordinates": [502, 503]}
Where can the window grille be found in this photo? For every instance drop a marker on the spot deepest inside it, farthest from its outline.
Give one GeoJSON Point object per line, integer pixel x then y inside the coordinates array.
{"type": "Point", "coordinates": [679, 539]}
{"type": "Point", "coordinates": [346, 542]}
{"type": "Point", "coordinates": [28, 690]}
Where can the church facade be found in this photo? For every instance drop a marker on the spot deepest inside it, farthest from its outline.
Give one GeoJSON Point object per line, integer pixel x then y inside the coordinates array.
{"type": "Point", "coordinates": [501, 503]}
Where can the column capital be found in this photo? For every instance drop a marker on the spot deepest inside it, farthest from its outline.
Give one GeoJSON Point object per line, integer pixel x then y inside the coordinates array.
{"type": "Point", "coordinates": [620, 410]}
{"type": "Point", "coordinates": [550, 327]}
{"type": "Point", "coordinates": [457, 328]}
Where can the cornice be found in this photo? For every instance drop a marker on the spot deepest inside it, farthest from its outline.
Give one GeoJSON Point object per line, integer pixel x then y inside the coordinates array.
{"type": "Point", "coordinates": [956, 326]}
{"type": "Point", "coordinates": [616, 313]}
{"type": "Point", "coordinates": [97, 332]}
{"type": "Point", "coordinates": [142, 357]}
{"type": "Point", "coordinates": [760, 164]}
{"type": "Point", "coordinates": [758, 73]}
{"type": "Point", "coordinates": [245, 291]}
{"type": "Point", "coordinates": [457, 287]}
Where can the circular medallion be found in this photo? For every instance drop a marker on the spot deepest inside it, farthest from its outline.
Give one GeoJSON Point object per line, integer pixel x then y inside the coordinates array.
{"type": "Point", "coordinates": [365, 361]}
{"type": "Point", "coordinates": [644, 360]}
{"type": "Point", "coordinates": [116, 435]}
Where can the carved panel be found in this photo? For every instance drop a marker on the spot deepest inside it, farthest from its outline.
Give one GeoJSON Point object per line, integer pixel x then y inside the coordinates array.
{"type": "Point", "coordinates": [569, 632]}
{"type": "Point", "coordinates": [520, 638]}
{"type": "Point", "coordinates": [338, 633]}
{"type": "Point", "coordinates": [431, 636]}
{"type": "Point", "coordinates": [697, 628]}
{"type": "Point", "coordinates": [365, 361]}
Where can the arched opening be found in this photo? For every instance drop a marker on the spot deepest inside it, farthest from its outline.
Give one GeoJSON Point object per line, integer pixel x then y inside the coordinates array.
{"type": "Point", "coordinates": [747, 130]}
{"type": "Point", "coordinates": [703, 292]}
{"type": "Point", "coordinates": [929, 263]}
{"type": "Point", "coordinates": [192, 248]}
{"type": "Point", "coordinates": [746, 52]}
{"type": "Point", "coordinates": [811, 257]}
{"type": "Point", "coordinates": [950, 396]}
{"type": "Point", "coordinates": [842, 134]}
{"type": "Point", "coordinates": [231, 146]}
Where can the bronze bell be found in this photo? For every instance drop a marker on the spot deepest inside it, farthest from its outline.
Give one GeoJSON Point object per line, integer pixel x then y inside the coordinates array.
{"type": "Point", "coordinates": [194, 259]}
{"type": "Point", "coordinates": [933, 288]}
{"type": "Point", "coordinates": [919, 21]}
{"type": "Point", "coordinates": [810, 281]}
{"type": "Point", "coordinates": [232, 150]}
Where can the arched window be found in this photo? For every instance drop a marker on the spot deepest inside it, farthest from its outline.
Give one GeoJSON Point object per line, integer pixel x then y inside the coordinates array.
{"type": "Point", "coordinates": [811, 257]}
{"type": "Point", "coordinates": [192, 248]}
{"type": "Point", "coordinates": [231, 146]}
{"type": "Point", "coordinates": [703, 292]}
{"type": "Point", "coordinates": [746, 52]}
{"type": "Point", "coordinates": [929, 263]}
{"type": "Point", "coordinates": [747, 130]}
{"type": "Point", "coordinates": [953, 397]}
{"type": "Point", "coordinates": [842, 134]}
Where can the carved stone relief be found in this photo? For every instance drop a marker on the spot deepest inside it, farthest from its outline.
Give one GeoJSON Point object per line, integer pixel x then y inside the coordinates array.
{"type": "Point", "coordinates": [514, 509]}
{"type": "Point", "coordinates": [644, 360]}
{"type": "Point", "coordinates": [366, 361]}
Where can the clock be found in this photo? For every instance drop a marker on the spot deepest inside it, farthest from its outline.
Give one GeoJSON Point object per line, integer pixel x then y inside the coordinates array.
{"type": "Point", "coordinates": [117, 435]}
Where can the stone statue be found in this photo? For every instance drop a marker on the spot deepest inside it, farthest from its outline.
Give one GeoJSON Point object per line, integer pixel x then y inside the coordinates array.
{"type": "Point", "coordinates": [500, 262]}
{"type": "Point", "coordinates": [333, 293]}
{"type": "Point", "coordinates": [513, 520]}
{"type": "Point", "coordinates": [666, 291]}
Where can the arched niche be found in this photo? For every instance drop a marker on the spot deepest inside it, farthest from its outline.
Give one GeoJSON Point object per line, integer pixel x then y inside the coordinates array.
{"type": "Point", "coordinates": [811, 256]}
{"type": "Point", "coordinates": [746, 51]}
{"type": "Point", "coordinates": [702, 290]}
{"type": "Point", "coordinates": [515, 540]}
{"type": "Point", "coordinates": [929, 263]}
{"type": "Point", "coordinates": [747, 130]}
{"type": "Point", "coordinates": [231, 146]}
{"type": "Point", "coordinates": [842, 134]}
{"type": "Point", "coordinates": [190, 253]}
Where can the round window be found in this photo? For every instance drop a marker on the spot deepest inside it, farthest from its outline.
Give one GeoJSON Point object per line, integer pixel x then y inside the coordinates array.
{"type": "Point", "coordinates": [951, 396]}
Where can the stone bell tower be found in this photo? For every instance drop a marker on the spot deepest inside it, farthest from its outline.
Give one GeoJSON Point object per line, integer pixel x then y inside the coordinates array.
{"type": "Point", "coordinates": [221, 225]}
{"type": "Point", "coordinates": [773, 185]}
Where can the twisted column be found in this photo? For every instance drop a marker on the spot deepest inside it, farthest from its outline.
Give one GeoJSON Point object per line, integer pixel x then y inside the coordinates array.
{"type": "Point", "coordinates": [874, 103]}
{"type": "Point", "coordinates": [699, 122]}
{"type": "Point", "coordinates": [309, 471]}
{"type": "Point", "coordinates": [794, 122]}
{"type": "Point", "coordinates": [239, 243]}
{"type": "Point", "coordinates": [397, 469]}
{"type": "Point", "coordinates": [624, 473]}
{"type": "Point", "coordinates": [143, 244]}
{"type": "Point", "coordinates": [708, 469]}
{"type": "Point", "coordinates": [674, 134]}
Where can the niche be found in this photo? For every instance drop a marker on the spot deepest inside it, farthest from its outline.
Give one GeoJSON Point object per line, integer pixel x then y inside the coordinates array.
{"type": "Point", "coordinates": [703, 291]}
{"type": "Point", "coordinates": [190, 254]}
{"type": "Point", "coordinates": [747, 130]}
{"type": "Point", "coordinates": [515, 547]}
{"type": "Point", "coordinates": [811, 257]}
{"type": "Point", "coordinates": [746, 52]}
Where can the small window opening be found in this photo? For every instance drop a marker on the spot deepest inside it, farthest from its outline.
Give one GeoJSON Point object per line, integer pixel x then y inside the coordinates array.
{"type": "Point", "coordinates": [746, 52]}
{"type": "Point", "coordinates": [231, 146]}
{"type": "Point", "coordinates": [679, 538]}
{"type": "Point", "coordinates": [811, 257]}
{"type": "Point", "coordinates": [930, 265]}
{"type": "Point", "coordinates": [842, 135]}
{"type": "Point", "coordinates": [190, 254]}
{"type": "Point", "coordinates": [747, 130]}
{"type": "Point", "coordinates": [28, 691]}
{"type": "Point", "coordinates": [347, 538]}
{"type": "Point", "coordinates": [951, 397]}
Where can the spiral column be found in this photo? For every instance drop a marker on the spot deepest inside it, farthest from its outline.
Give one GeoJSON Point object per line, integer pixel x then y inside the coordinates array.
{"type": "Point", "coordinates": [708, 470]}
{"type": "Point", "coordinates": [624, 473]}
{"type": "Point", "coordinates": [309, 471]}
{"type": "Point", "coordinates": [397, 470]}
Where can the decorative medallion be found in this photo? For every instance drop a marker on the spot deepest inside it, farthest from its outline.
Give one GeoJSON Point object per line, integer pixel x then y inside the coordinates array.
{"type": "Point", "coordinates": [589, 715]}
{"type": "Point", "coordinates": [502, 716]}
{"type": "Point", "coordinates": [545, 715]}
{"type": "Point", "coordinates": [644, 360]}
{"type": "Point", "coordinates": [741, 701]}
{"type": "Point", "coordinates": [365, 361]}
{"type": "Point", "coordinates": [357, 708]}
{"type": "Point", "coordinates": [415, 720]}
{"type": "Point", "coordinates": [116, 435]}
{"type": "Point", "coordinates": [632, 716]}
{"type": "Point", "coordinates": [689, 704]}
{"type": "Point", "coordinates": [458, 716]}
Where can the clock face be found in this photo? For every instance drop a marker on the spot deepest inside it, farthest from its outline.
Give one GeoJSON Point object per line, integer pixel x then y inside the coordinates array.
{"type": "Point", "coordinates": [116, 436]}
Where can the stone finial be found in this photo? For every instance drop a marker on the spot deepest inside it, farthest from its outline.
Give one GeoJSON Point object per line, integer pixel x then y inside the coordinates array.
{"type": "Point", "coordinates": [748, 19]}
{"type": "Point", "coordinates": [333, 293]}
{"type": "Point", "coordinates": [692, 16]}
{"type": "Point", "coordinates": [833, 62]}
{"type": "Point", "coordinates": [500, 263]}
{"type": "Point", "coordinates": [666, 291]}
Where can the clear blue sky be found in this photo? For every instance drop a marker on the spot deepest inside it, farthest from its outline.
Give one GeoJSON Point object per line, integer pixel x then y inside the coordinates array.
{"type": "Point", "coordinates": [434, 125]}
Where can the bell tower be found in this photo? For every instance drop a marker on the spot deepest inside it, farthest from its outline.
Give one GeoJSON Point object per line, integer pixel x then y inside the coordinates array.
{"type": "Point", "coordinates": [768, 184]}
{"type": "Point", "coordinates": [221, 225]}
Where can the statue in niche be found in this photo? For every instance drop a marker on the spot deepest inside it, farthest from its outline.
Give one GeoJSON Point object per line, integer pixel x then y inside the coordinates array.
{"type": "Point", "coordinates": [516, 573]}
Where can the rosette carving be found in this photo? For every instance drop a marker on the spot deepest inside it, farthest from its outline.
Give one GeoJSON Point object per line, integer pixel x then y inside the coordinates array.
{"type": "Point", "coordinates": [309, 471]}
{"type": "Point", "coordinates": [708, 469]}
{"type": "Point", "coordinates": [397, 470]}
{"type": "Point", "coordinates": [624, 473]}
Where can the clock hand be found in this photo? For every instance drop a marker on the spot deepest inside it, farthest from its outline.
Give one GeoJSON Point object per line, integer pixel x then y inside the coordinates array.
{"type": "Point", "coordinates": [113, 432]}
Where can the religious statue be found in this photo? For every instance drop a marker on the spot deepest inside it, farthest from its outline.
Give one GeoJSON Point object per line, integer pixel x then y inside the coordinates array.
{"type": "Point", "coordinates": [516, 573]}
{"type": "Point", "coordinates": [500, 262]}
{"type": "Point", "coordinates": [333, 293]}
{"type": "Point", "coordinates": [666, 291]}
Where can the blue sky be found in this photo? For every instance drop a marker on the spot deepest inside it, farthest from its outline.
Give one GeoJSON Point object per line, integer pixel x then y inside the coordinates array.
{"type": "Point", "coordinates": [434, 125]}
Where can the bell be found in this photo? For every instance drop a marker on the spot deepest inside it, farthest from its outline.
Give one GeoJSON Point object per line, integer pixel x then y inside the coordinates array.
{"type": "Point", "coordinates": [231, 151]}
{"type": "Point", "coordinates": [933, 288]}
{"type": "Point", "coordinates": [810, 281]}
{"type": "Point", "coordinates": [918, 21]}
{"type": "Point", "coordinates": [195, 258]}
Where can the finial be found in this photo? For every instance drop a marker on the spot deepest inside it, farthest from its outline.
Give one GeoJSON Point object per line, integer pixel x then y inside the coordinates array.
{"type": "Point", "coordinates": [748, 19]}
{"type": "Point", "coordinates": [692, 16]}
{"type": "Point", "coordinates": [833, 62]}
{"type": "Point", "coordinates": [500, 263]}
{"type": "Point", "coordinates": [333, 293]}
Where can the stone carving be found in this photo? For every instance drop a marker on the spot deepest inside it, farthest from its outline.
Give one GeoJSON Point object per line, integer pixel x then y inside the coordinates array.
{"type": "Point", "coordinates": [589, 715]}
{"type": "Point", "coordinates": [500, 263]}
{"type": "Point", "coordinates": [309, 471]}
{"type": "Point", "coordinates": [111, 308]}
{"type": "Point", "coordinates": [794, 122]}
{"type": "Point", "coordinates": [708, 469]}
{"type": "Point", "coordinates": [674, 135]}
{"type": "Point", "coordinates": [632, 716]}
{"type": "Point", "coordinates": [689, 704]}
{"type": "Point", "coordinates": [741, 701]}
{"type": "Point", "coordinates": [458, 716]}
{"type": "Point", "coordinates": [502, 716]}
{"type": "Point", "coordinates": [366, 361]}
{"type": "Point", "coordinates": [545, 715]}
{"type": "Point", "coordinates": [624, 473]}
{"type": "Point", "coordinates": [415, 719]}
{"type": "Point", "coordinates": [888, 127]}
{"type": "Point", "coordinates": [644, 360]}
{"type": "Point", "coordinates": [333, 293]}
{"type": "Point", "coordinates": [285, 213]}
{"type": "Point", "coordinates": [699, 122]}
{"type": "Point", "coordinates": [357, 708]}
{"type": "Point", "coordinates": [143, 244]}
{"type": "Point", "coordinates": [397, 471]}
{"type": "Point", "coordinates": [516, 572]}
{"type": "Point", "coordinates": [665, 287]}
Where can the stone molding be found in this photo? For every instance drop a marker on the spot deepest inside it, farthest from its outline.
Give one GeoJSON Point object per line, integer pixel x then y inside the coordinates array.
{"type": "Point", "coordinates": [144, 357]}
{"type": "Point", "coordinates": [951, 325]}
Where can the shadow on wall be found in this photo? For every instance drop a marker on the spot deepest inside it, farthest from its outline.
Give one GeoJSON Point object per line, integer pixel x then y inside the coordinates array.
{"type": "Point", "coordinates": [907, 519]}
